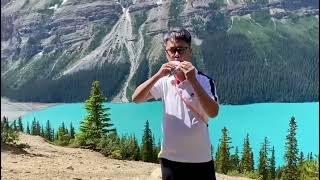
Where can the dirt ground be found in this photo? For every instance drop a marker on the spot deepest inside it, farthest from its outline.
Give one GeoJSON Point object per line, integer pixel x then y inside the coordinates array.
{"type": "Point", "coordinates": [33, 158]}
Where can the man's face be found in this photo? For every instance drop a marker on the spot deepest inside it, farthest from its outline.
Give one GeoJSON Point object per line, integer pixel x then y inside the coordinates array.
{"type": "Point", "coordinates": [178, 50]}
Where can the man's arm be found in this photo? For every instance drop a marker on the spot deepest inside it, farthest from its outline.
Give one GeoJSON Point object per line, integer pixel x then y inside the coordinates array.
{"type": "Point", "coordinates": [142, 93]}
{"type": "Point", "coordinates": [209, 105]}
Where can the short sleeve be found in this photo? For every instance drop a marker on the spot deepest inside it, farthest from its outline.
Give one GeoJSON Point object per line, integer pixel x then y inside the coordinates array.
{"type": "Point", "coordinates": [210, 88]}
{"type": "Point", "coordinates": [157, 90]}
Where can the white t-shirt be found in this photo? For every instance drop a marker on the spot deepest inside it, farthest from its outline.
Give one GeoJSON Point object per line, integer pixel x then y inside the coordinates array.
{"type": "Point", "coordinates": [185, 136]}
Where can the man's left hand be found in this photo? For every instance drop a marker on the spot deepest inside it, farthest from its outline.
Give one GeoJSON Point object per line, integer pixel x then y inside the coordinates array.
{"type": "Point", "coordinates": [188, 70]}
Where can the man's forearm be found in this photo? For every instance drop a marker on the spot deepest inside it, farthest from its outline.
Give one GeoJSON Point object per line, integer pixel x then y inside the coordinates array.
{"type": "Point", "coordinates": [210, 106]}
{"type": "Point", "coordinates": [142, 91]}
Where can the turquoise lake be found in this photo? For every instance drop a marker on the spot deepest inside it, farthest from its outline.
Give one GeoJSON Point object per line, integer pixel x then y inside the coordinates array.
{"type": "Point", "coordinates": [258, 120]}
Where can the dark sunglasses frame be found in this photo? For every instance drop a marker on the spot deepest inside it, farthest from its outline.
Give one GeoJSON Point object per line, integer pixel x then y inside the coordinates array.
{"type": "Point", "coordinates": [173, 51]}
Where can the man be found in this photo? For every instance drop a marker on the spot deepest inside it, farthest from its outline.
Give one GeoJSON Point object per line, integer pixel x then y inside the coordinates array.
{"type": "Point", "coordinates": [189, 97]}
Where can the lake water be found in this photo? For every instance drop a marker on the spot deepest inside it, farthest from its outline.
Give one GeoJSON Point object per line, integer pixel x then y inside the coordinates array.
{"type": "Point", "coordinates": [258, 120]}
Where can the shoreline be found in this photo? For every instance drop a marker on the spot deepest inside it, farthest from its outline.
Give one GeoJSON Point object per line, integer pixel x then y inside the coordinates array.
{"type": "Point", "coordinates": [14, 110]}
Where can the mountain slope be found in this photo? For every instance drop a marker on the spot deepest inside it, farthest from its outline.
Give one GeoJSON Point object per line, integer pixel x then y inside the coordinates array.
{"type": "Point", "coordinates": [257, 51]}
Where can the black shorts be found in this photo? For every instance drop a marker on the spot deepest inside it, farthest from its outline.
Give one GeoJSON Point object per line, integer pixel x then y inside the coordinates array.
{"type": "Point", "coordinates": [172, 170]}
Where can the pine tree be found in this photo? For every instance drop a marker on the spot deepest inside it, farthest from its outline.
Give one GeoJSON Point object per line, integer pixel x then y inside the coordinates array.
{"type": "Point", "coordinates": [310, 157]}
{"type": "Point", "coordinates": [8, 134]}
{"type": "Point", "coordinates": [34, 127]}
{"type": "Point", "coordinates": [217, 156]}
{"type": "Point", "coordinates": [290, 171]}
{"type": "Point", "coordinates": [263, 165]}
{"type": "Point", "coordinates": [134, 148]}
{"type": "Point", "coordinates": [223, 163]}
{"type": "Point", "coordinates": [235, 161]}
{"type": "Point", "coordinates": [5, 123]}
{"type": "Point", "coordinates": [72, 131]}
{"type": "Point", "coordinates": [252, 161]}
{"type": "Point", "coordinates": [42, 132]}
{"type": "Point", "coordinates": [20, 126]}
{"type": "Point", "coordinates": [14, 125]}
{"type": "Point", "coordinates": [98, 123]}
{"type": "Point", "coordinates": [154, 147]}
{"type": "Point", "coordinates": [63, 137]}
{"type": "Point", "coordinates": [38, 128]}
{"type": "Point", "coordinates": [246, 160]}
{"type": "Point", "coordinates": [48, 131]}
{"type": "Point", "coordinates": [272, 169]}
{"type": "Point", "coordinates": [301, 159]}
{"type": "Point", "coordinates": [28, 129]}
{"type": "Point", "coordinates": [52, 135]}
{"type": "Point", "coordinates": [212, 150]}
{"type": "Point", "coordinates": [147, 144]}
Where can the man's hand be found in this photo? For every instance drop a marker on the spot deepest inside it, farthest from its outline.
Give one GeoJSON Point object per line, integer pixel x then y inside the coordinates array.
{"type": "Point", "coordinates": [165, 69]}
{"type": "Point", "coordinates": [188, 70]}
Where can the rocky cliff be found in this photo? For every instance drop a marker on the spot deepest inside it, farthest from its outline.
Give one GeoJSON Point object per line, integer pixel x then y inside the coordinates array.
{"type": "Point", "coordinates": [63, 45]}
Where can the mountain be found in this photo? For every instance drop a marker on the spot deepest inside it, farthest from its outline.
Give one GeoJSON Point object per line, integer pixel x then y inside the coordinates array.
{"type": "Point", "coordinates": [256, 51]}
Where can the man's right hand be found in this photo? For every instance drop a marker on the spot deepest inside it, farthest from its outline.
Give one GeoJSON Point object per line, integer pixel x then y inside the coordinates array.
{"type": "Point", "coordinates": [165, 69]}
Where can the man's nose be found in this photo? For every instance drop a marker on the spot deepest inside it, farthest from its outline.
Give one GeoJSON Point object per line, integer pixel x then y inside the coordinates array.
{"type": "Point", "coordinates": [176, 54]}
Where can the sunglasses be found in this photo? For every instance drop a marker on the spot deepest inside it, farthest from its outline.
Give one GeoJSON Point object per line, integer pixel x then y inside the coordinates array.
{"type": "Point", "coordinates": [173, 51]}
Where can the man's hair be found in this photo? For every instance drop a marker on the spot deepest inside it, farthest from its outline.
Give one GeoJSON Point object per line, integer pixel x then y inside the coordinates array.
{"type": "Point", "coordinates": [178, 34]}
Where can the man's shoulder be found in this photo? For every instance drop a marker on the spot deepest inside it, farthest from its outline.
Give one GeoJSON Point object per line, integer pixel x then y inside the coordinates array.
{"type": "Point", "coordinates": [202, 76]}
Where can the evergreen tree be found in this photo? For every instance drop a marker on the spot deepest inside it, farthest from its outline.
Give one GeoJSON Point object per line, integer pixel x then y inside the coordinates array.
{"type": "Point", "coordinates": [301, 158]}
{"type": "Point", "coordinates": [290, 171]}
{"type": "Point", "coordinates": [263, 165]}
{"type": "Point", "coordinates": [5, 123]}
{"type": "Point", "coordinates": [52, 135]}
{"type": "Point", "coordinates": [48, 131]}
{"type": "Point", "coordinates": [252, 161]}
{"type": "Point", "coordinates": [154, 147]}
{"type": "Point", "coordinates": [8, 134]}
{"type": "Point", "coordinates": [310, 157]}
{"type": "Point", "coordinates": [309, 170]}
{"type": "Point", "coordinates": [42, 132]}
{"type": "Point", "coordinates": [14, 126]}
{"type": "Point", "coordinates": [63, 137]}
{"type": "Point", "coordinates": [72, 131]}
{"type": "Point", "coordinates": [20, 126]}
{"type": "Point", "coordinates": [217, 156]}
{"type": "Point", "coordinates": [98, 123]}
{"type": "Point", "coordinates": [125, 151]}
{"type": "Point", "coordinates": [272, 165]}
{"type": "Point", "coordinates": [134, 149]}
{"type": "Point", "coordinates": [235, 161]}
{"type": "Point", "coordinates": [246, 160]}
{"type": "Point", "coordinates": [34, 127]}
{"type": "Point", "coordinates": [147, 144]}
{"type": "Point", "coordinates": [212, 150]}
{"type": "Point", "coordinates": [38, 128]}
{"type": "Point", "coordinates": [223, 163]}
{"type": "Point", "coordinates": [28, 129]}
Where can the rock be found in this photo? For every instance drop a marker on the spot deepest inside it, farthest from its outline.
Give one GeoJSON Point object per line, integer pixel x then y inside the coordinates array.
{"type": "Point", "coordinates": [70, 167]}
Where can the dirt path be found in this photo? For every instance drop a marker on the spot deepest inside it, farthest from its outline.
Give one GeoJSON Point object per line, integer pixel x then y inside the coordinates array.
{"type": "Point", "coordinates": [40, 160]}
{"type": "Point", "coordinates": [37, 159]}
